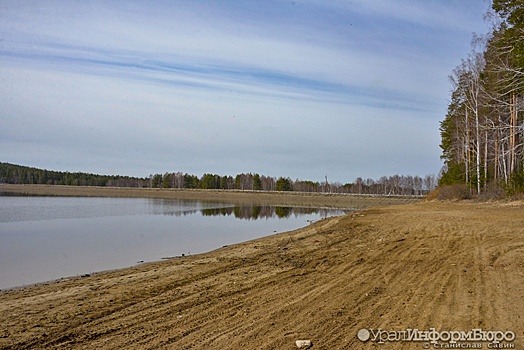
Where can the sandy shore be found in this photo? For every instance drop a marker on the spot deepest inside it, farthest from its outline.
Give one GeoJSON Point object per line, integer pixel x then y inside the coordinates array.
{"type": "Point", "coordinates": [448, 266]}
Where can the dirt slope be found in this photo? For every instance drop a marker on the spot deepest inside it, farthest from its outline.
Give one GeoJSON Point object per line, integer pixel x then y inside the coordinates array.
{"type": "Point", "coordinates": [448, 266]}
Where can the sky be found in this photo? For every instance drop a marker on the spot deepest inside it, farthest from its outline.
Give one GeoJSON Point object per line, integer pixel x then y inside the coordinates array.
{"type": "Point", "coordinates": [300, 89]}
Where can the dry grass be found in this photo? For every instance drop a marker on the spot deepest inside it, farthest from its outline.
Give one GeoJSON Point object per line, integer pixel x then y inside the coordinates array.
{"type": "Point", "coordinates": [240, 197]}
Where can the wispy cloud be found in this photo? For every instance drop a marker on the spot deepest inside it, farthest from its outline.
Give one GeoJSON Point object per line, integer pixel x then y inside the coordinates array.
{"type": "Point", "coordinates": [282, 80]}
{"type": "Point", "coordinates": [174, 70]}
{"type": "Point", "coordinates": [442, 15]}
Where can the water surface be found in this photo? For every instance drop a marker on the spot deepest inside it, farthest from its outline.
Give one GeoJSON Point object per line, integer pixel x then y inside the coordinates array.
{"type": "Point", "coordinates": [46, 238]}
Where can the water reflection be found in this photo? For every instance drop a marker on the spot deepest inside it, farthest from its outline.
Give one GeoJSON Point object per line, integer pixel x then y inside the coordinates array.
{"type": "Point", "coordinates": [43, 238]}
{"type": "Point", "coordinates": [37, 208]}
{"type": "Point", "coordinates": [181, 207]}
{"type": "Point", "coordinates": [173, 207]}
{"type": "Point", "coordinates": [255, 212]}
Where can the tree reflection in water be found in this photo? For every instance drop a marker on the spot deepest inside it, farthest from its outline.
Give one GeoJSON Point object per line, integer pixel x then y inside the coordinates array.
{"type": "Point", "coordinates": [253, 212]}
{"type": "Point", "coordinates": [246, 212]}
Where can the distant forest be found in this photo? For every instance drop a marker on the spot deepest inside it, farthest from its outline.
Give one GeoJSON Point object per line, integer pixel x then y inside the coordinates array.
{"type": "Point", "coordinates": [18, 174]}
{"type": "Point", "coordinates": [386, 185]}
{"type": "Point", "coordinates": [483, 131]}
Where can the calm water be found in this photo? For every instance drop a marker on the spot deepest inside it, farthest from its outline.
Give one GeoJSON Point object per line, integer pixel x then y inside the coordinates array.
{"type": "Point", "coordinates": [45, 238]}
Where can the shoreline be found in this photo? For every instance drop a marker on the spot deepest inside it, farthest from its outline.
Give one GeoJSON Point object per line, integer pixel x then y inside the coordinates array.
{"type": "Point", "coordinates": [160, 260]}
{"type": "Point", "coordinates": [167, 259]}
{"type": "Point", "coordinates": [318, 200]}
{"type": "Point", "coordinates": [448, 266]}
{"type": "Point", "coordinates": [339, 200]}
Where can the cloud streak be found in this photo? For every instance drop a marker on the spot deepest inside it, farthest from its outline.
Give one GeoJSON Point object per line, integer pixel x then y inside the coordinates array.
{"type": "Point", "coordinates": [227, 87]}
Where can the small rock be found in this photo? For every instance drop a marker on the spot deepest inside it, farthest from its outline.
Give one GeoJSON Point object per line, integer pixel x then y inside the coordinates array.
{"type": "Point", "coordinates": [303, 344]}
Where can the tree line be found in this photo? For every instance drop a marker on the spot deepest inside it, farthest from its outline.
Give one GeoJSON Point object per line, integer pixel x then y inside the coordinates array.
{"type": "Point", "coordinates": [18, 174]}
{"type": "Point", "coordinates": [482, 133]}
{"type": "Point", "coordinates": [386, 185]}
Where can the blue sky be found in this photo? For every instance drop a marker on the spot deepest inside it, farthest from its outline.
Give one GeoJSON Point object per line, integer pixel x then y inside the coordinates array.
{"type": "Point", "coordinates": [284, 88]}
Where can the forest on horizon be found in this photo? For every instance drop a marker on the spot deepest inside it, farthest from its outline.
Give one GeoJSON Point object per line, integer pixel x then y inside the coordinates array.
{"type": "Point", "coordinates": [386, 185]}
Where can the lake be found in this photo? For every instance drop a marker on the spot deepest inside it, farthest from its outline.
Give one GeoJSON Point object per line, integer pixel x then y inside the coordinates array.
{"type": "Point", "coordinates": [47, 238]}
